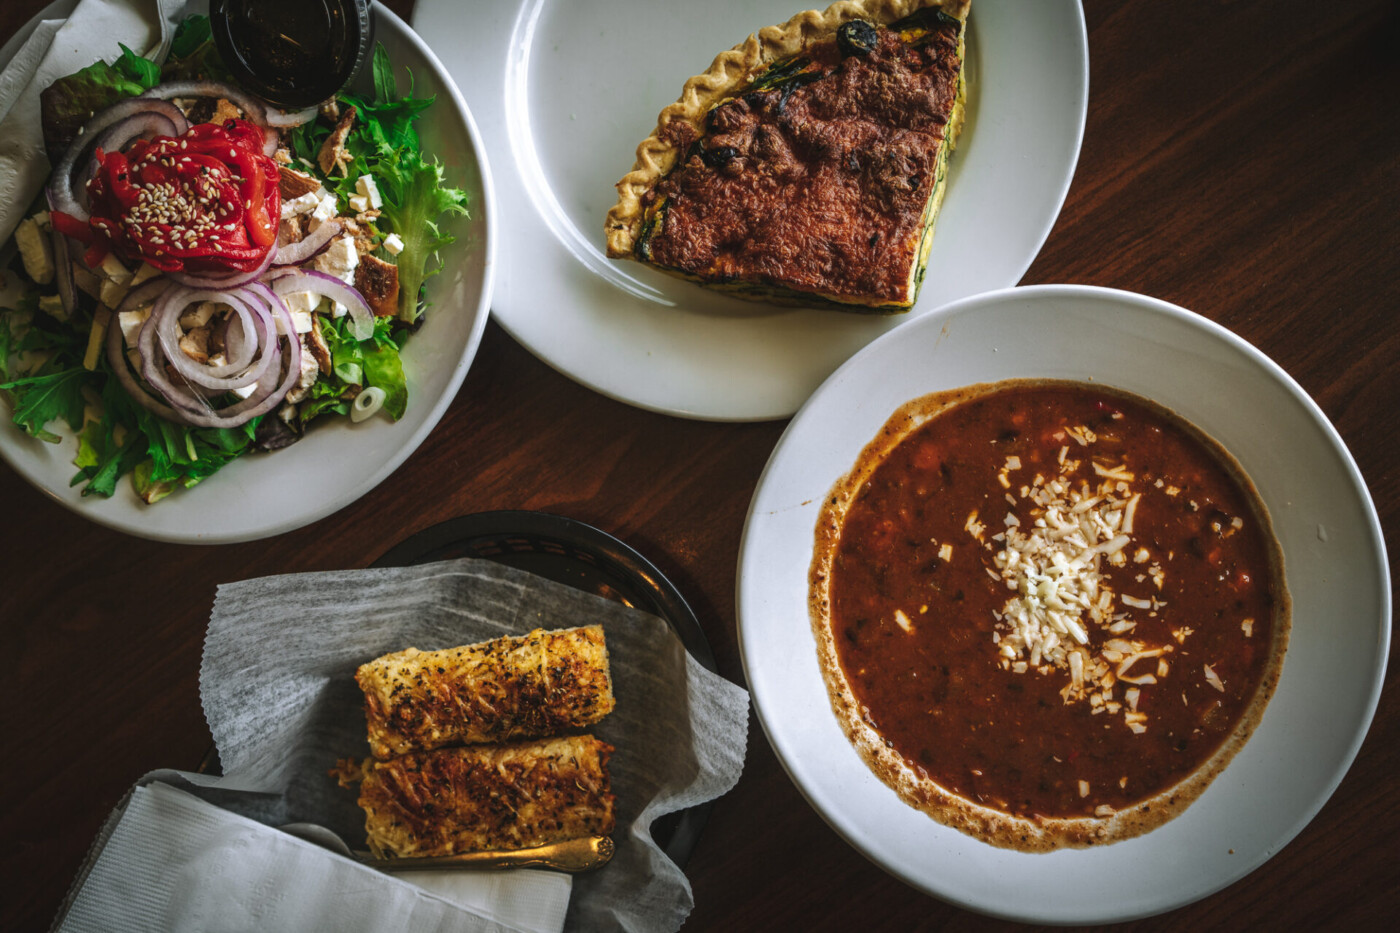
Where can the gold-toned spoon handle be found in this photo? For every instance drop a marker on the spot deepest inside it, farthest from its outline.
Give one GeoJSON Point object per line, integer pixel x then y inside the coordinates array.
{"type": "Point", "coordinates": [573, 855]}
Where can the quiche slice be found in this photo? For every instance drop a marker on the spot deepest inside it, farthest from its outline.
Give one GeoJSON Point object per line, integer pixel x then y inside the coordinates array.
{"type": "Point", "coordinates": [808, 164]}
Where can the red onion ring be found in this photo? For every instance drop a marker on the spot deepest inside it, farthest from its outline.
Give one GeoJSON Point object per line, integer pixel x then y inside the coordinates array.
{"type": "Point", "coordinates": [281, 118]}
{"type": "Point", "coordinates": [143, 294]}
{"type": "Point", "coordinates": [250, 407]}
{"type": "Point", "coordinates": [294, 254]}
{"type": "Point", "coordinates": [328, 286]}
{"type": "Point", "coordinates": [247, 364]}
{"type": "Point", "coordinates": [116, 356]}
{"type": "Point", "coordinates": [223, 282]}
{"type": "Point", "coordinates": [63, 195]}
{"type": "Point", "coordinates": [188, 405]}
{"type": "Point", "coordinates": [144, 125]}
{"type": "Point", "coordinates": [63, 269]}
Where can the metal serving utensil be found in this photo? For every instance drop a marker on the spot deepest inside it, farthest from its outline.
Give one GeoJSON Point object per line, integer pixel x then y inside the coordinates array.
{"type": "Point", "coordinates": [572, 855]}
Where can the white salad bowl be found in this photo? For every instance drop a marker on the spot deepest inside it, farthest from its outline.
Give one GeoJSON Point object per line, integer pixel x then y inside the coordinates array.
{"type": "Point", "coordinates": [264, 494]}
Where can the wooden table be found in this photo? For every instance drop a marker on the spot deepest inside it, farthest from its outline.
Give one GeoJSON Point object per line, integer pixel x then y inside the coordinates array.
{"type": "Point", "coordinates": [1241, 159]}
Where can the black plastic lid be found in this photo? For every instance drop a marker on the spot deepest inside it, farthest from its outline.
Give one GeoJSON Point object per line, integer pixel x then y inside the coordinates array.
{"type": "Point", "coordinates": [293, 53]}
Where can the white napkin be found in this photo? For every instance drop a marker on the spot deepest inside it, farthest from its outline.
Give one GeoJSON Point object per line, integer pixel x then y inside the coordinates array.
{"type": "Point", "coordinates": [278, 690]}
{"type": "Point", "coordinates": [57, 48]}
{"type": "Point", "coordinates": [175, 862]}
{"type": "Point", "coordinates": [279, 693]}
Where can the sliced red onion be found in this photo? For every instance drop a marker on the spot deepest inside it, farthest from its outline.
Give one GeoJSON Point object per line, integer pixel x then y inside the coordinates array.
{"type": "Point", "coordinates": [223, 282]}
{"type": "Point", "coordinates": [63, 272]}
{"type": "Point", "coordinates": [63, 265]}
{"type": "Point", "coordinates": [71, 199]}
{"type": "Point", "coordinates": [143, 294]}
{"type": "Point", "coordinates": [241, 368]}
{"type": "Point", "coordinates": [277, 117]}
{"type": "Point", "coordinates": [146, 124]}
{"type": "Point", "coordinates": [116, 356]}
{"type": "Point", "coordinates": [247, 332]}
{"type": "Point", "coordinates": [188, 404]}
{"type": "Point", "coordinates": [251, 407]}
{"type": "Point", "coordinates": [328, 286]}
{"type": "Point", "coordinates": [294, 254]}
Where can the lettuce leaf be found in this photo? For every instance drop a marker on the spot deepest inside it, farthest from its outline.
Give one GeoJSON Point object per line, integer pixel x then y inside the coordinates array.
{"type": "Point", "coordinates": [374, 361]}
{"type": "Point", "coordinates": [416, 198]}
{"type": "Point", "coordinates": [51, 390]}
{"type": "Point", "coordinates": [384, 370]}
{"type": "Point", "coordinates": [384, 143]}
{"type": "Point", "coordinates": [69, 102]}
{"type": "Point", "coordinates": [49, 397]}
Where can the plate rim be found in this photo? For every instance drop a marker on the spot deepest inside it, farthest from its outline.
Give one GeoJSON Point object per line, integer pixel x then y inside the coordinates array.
{"type": "Point", "coordinates": [781, 743]}
{"type": "Point", "coordinates": [698, 404]}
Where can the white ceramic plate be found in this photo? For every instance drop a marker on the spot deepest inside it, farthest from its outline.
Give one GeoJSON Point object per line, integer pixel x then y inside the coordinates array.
{"type": "Point", "coordinates": [565, 91]}
{"type": "Point", "coordinates": [1334, 560]}
{"type": "Point", "coordinates": [267, 494]}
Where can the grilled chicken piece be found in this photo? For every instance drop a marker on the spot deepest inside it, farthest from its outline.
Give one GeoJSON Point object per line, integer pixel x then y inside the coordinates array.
{"type": "Point", "coordinates": [378, 281]}
{"type": "Point", "coordinates": [333, 154]}
{"type": "Point", "coordinates": [293, 183]}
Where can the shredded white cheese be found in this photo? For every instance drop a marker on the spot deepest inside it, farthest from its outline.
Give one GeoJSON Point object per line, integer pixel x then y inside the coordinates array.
{"type": "Point", "coordinates": [1057, 537]}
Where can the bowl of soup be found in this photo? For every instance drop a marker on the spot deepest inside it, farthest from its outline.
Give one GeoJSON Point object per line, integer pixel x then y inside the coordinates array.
{"type": "Point", "coordinates": [1061, 603]}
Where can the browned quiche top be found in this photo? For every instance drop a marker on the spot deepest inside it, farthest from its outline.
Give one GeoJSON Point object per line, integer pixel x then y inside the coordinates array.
{"type": "Point", "coordinates": [818, 174]}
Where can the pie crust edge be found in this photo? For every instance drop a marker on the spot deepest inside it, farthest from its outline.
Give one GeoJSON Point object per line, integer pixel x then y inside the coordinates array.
{"type": "Point", "coordinates": [729, 71]}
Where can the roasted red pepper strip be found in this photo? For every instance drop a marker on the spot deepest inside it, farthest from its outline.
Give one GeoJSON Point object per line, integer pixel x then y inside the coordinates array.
{"type": "Point", "coordinates": [69, 225]}
{"type": "Point", "coordinates": [206, 202]}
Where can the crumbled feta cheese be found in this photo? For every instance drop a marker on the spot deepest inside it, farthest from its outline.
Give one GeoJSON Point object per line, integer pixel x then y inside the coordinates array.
{"type": "Point", "coordinates": [367, 187]}
{"type": "Point", "coordinates": [301, 322]}
{"type": "Point", "coordinates": [304, 204]}
{"type": "Point", "coordinates": [394, 244]}
{"type": "Point", "coordinates": [359, 203]}
{"type": "Point", "coordinates": [301, 302]}
{"type": "Point", "coordinates": [340, 259]}
{"type": "Point", "coordinates": [326, 208]}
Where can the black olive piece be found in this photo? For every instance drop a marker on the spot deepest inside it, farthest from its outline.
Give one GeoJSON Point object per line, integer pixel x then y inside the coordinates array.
{"type": "Point", "coordinates": [719, 156]}
{"type": "Point", "coordinates": [274, 434]}
{"type": "Point", "coordinates": [856, 38]}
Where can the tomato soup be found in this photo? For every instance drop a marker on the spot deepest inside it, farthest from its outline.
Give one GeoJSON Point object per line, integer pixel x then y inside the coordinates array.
{"type": "Point", "coordinates": [1057, 606]}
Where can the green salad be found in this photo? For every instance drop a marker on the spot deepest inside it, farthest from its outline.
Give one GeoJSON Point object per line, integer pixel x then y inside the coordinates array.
{"type": "Point", "coordinates": [205, 275]}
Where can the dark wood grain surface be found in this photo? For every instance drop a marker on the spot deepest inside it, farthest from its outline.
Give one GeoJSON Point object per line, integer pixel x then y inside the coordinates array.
{"type": "Point", "coordinates": [1241, 159]}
